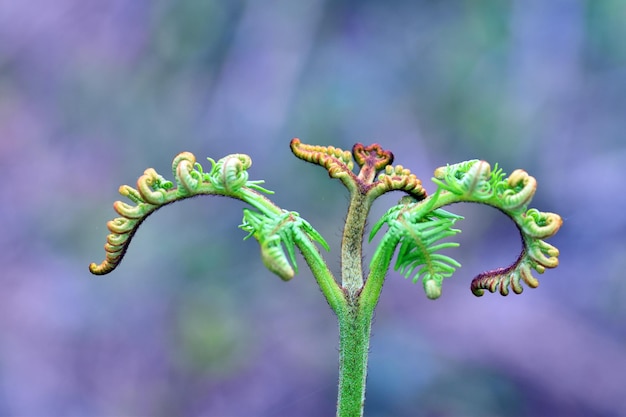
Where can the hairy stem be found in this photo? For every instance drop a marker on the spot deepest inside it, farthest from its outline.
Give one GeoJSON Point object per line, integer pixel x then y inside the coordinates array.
{"type": "Point", "coordinates": [354, 338]}
{"type": "Point", "coordinates": [352, 245]}
{"type": "Point", "coordinates": [355, 324]}
{"type": "Point", "coordinates": [355, 319]}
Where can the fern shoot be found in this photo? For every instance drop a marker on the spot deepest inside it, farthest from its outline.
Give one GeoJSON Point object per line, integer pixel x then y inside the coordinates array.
{"type": "Point", "coordinates": [416, 231]}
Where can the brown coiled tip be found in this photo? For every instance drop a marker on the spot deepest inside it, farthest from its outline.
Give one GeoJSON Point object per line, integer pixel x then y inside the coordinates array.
{"type": "Point", "coordinates": [373, 155]}
{"type": "Point", "coordinates": [294, 143]}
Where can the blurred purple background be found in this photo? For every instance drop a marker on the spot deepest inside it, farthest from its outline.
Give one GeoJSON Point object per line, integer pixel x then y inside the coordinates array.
{"type": "Point", "coordinates": [191, 324]}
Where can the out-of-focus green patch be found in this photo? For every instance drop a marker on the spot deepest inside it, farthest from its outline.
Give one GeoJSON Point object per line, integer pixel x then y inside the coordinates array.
{"type": "Point", "coordinates": [211, 335]}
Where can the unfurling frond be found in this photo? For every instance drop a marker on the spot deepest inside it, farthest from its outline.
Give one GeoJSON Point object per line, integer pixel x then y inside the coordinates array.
{"type": "Point", "coordinates": [419, 225]}
{"type": "Point", "coordinates": [473, 181]}
{"type": "Point", "coordinates": [419, 237]}
{"type": "Point", "coordinates": [227, 177]}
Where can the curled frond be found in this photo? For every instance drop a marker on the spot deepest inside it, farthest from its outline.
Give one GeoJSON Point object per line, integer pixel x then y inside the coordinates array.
{"type": "Point", "coordinates": [230, 173]}
{"type": "Point", "coordinates": [277, 234]}
{"type": "Point", "coordinates": [540, 225]}
{"type": "Point", "coordinates": [122, 230]}
{"type": "Point", "coordinates": [473, 181]}
{"type": "Point", "coordinates": [470, 178]}
{"type": "Point", "coordinates": [373, 155]}
{"type": "Point", "coordinates": [227, 177]}
{"type": "Point", "coordinates": [398, 178]}
{"type": "Point", "coordinates": [150, 186]}
{"type": "Point", "coordinates": [131, 193]}
{"type": "Point", "coordinates": [338, 163]}
{"type": "Point", "coordinates": [372, 159]}
{"type": "Point", "coordinates": [518, 191]}
{"type": "Point", "coordinates": [128, 211]}
{"type": "Point", "coordinates": [543, 254]}
{"type": "Point", "coordinates": [537, 255]}
{"type": "Point", "coordinates": [188, 179]}
{"type": "Point", "coordinates": [501, 279]}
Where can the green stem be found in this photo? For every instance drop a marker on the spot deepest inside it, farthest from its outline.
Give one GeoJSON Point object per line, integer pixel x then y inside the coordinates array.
{"type": "Point", "coordinates": [355, 316]}
{"type": "Point", "coordinates": [355, 324]}
{"type": "Point", "coordinates": [327, 283]}
{"type": "Point", "coordinates": [379, 266]}
{"type": "Point", "coordinates": [354, 338]}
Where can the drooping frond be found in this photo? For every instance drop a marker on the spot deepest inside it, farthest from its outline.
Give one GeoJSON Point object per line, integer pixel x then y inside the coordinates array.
{"type": "Point", "coordinates": [277, 234]}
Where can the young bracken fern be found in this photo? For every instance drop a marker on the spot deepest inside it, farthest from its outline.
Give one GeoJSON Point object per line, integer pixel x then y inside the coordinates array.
{"type": "Point", "coordinates": [417, 227]}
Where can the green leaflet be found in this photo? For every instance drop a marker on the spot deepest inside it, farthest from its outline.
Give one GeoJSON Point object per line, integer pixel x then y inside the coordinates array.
{"type": "Point", "coordinates": [277, 234]}
{"type": "Point", "coordinates": [419, 237]}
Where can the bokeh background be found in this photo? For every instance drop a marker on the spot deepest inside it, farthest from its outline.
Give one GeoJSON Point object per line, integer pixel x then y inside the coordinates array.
{"type": "Point", "coordinates": [191, 324]}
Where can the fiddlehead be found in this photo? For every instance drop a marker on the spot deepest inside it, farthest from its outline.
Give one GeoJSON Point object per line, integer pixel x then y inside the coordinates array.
{"type": "Point", "coordinates": [371, 159]}
{"type": "Point", "coordinates": [187, 172]}
{"type": "Point", "coordinates": [230, 173]}
{"type": "Point", "coordinates": [469, 179]}
{"type": "Point", "coordinates": [517, 191]}
{"type": "Point", "coordinates": [338, 163]}
{"type": "Point", "coordinates": [227, 177]}
{"type": "Point", "coordinates": [376, 174]}
{"type": "Point", "coordinates": [398, 178]}
{"type": "Point", "coordinates": [475, 182]}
